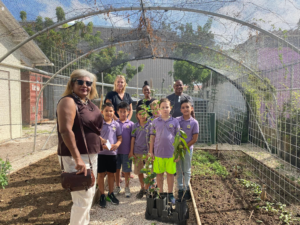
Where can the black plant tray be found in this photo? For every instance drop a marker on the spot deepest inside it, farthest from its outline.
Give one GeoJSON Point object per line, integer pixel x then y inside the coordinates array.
{"type": "Point", "coordinates": [158, 209]}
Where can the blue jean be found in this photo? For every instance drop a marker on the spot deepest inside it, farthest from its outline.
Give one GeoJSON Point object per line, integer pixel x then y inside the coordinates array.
{"type": "Point", "coordinates": [183, 171]}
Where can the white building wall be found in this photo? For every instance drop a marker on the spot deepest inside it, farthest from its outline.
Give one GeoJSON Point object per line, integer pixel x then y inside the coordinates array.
{"type": "Point", "coordinates": [10, 98]}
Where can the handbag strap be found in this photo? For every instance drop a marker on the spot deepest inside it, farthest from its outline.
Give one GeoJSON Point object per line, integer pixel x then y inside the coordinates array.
{"type": "Point", "coordinates": [83, 136]}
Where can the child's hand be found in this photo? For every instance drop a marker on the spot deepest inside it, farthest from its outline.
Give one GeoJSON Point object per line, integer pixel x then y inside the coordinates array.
{"type": "Point", "coordinates": [130, 155]}
{"type": "Point", "coordinates": [152, 156]}
{"type": "Point", "coordinates": [114, 147]}
{"type": "Point", "coordinates": [176, 160]}
{"type": "Point", "coordinates": [103, 141]}
{"type": "Point", "coordinates": [104, 146]}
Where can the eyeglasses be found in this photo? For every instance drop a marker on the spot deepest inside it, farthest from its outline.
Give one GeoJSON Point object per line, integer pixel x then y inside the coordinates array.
{"type": "Point", "coordinates": [81, 82]}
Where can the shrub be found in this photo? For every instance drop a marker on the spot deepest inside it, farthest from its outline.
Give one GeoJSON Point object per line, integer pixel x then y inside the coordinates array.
{"type": "Point", "coordinates": [4, 170]}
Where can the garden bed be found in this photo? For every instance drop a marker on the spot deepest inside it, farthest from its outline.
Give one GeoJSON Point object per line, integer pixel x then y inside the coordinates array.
{"type": "Point", "coordinates": [226, 194]}
{"type": "Point", "coordinates": [35, 196]}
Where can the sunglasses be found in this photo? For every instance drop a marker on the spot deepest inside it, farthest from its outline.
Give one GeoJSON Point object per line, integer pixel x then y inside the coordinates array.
{"type": "Point", "coordinates": [81, 82]}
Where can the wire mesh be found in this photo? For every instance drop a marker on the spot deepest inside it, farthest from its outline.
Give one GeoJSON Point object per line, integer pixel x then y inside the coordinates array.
{"type": "Point", "coordinates": [251, 47]}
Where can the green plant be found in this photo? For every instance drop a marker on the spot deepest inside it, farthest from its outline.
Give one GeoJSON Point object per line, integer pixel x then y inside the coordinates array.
{"type": "Point", "coordinates": [269, 208]}
{"type": "Point", "coordinates": [286, 218]}
{"type": "Point", "coordinates": [206, 164]}
{"type": "Point", "coordinates": [150, 175]}
{"type": "Point", "coordinates": [180, 145]}
{"type": "Point", "coordinates": [5, 166]}
{"type": "Point", "coordinates": [256, 188]}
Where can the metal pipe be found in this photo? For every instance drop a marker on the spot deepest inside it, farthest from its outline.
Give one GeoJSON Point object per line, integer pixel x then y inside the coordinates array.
{"type": "Point", "coordinates": [148, 8]}
{"type": "Point", "coordinates": [61, 69]}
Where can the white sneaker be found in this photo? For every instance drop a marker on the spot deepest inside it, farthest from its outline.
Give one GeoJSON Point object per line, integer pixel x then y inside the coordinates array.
{"type": "Point", "coordinates": [127, 192]}
{"type": "Point", "coordinates": [117, 190]}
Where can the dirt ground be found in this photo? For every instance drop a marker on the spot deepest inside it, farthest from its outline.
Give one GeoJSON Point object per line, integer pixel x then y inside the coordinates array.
{"type": "Point", "coordinates": [227, 201]}
{"type": "Point", "coordinates": [35, 196]}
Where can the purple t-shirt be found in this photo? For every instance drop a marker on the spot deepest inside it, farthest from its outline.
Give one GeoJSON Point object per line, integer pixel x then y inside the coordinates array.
{"type": "Point", "coordinates": [126, 129]}
{"type": "Point", "coordinates": [141, 135]}
{"type": "Point", "coordinates": [190, 127]}
{"type": "Point", "coordinates": [110, 132]}
{"type": "Point", "coordinates": [165, 132]}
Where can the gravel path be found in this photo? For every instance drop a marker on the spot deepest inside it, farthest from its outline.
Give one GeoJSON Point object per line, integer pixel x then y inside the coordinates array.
{"type": "Point", "coordinates": [130, 211]}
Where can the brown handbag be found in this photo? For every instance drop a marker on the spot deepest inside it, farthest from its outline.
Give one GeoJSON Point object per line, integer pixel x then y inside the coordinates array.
{"type": "Point", "coordinates": [78, 182]}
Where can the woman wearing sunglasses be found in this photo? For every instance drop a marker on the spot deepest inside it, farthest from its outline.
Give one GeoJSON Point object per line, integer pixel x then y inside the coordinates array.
{"type": "Point", "coordinates": [81, 88]}
{"type": "Point", "coordinates": [119, 95]}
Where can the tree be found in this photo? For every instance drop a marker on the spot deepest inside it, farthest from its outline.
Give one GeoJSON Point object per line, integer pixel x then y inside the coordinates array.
{"type": "Point", "coordinates": [190, 74]}
{"type": "Point", "coordinates": [48, 22]}
{"type": "Point", "coordinates": [105, 60]}
{"type": "Point", "coordinates": [69, 36]}
{"type": "Point", "coordinates": [39, 24]}
{"type": "Point", "coordinates": [23, 16]}
{"type": "Point", "coordinates": [60, 14]}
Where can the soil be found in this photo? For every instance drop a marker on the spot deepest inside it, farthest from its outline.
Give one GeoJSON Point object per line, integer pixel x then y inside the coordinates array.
{"type": "Point", "coordinates": [35, 196]}
{"type": "Point", "coordinates": [226, 201]}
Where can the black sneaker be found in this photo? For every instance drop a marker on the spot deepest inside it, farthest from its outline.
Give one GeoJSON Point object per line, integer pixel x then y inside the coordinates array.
{"type": "Point", "coordinates": [111, 198]}
{"type": "Point", "coordinates": [187, 196]}
{"type": "Point", "coordinates": [140, 194]}
{"type": "Point", "coordinates": [102, 202]}
{"type": "Point", "coordinates": [180, 194]}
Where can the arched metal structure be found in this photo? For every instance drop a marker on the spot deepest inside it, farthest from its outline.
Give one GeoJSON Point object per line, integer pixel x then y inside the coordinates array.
{"type": "Point", "coordinates": [148, 8]}
{"type": "Point", "coordinates": [147, 57]}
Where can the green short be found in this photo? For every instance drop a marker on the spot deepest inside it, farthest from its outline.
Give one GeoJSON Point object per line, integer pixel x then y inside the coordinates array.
{"type": "Point", "coordinates": [161, 165]}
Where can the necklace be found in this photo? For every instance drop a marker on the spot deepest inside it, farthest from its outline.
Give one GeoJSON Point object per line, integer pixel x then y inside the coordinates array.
{"type": "Point", "coordinates": [83, 102]}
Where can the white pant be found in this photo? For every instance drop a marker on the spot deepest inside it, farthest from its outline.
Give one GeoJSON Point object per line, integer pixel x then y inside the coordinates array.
{"type": "Point", "coordinates": [82, 200]}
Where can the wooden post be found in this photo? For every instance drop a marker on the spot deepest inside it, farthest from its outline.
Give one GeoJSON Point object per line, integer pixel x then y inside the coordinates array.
{"type": "Point", "coordinates": [263, 194]}
{"type": "Point", "coordinates": [236, 169]}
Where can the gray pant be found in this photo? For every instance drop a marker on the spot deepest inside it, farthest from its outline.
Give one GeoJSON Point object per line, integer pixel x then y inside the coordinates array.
{"type": "Point", "coordinates": [183, 171]}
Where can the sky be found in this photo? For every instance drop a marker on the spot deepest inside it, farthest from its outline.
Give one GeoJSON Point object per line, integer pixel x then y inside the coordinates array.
{"type": "Point", "coordinates": [283, 14]}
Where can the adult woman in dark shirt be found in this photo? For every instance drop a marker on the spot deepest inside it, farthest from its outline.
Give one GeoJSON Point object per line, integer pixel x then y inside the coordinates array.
{"type": "Point", "coordinates": [71, 148]}
{"type": "Point", "coordinates": [147, 93]}
{"type": "Point", "coordinates": [119, 95]}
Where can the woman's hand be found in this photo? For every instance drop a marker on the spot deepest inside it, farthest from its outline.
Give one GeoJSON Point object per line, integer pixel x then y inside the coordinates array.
{"type": "Point", "coordinates": [80, 166]}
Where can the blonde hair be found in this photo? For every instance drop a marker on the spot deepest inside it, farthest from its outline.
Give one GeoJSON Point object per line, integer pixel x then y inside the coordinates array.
{"type": "Point", "coordinates": [81, 73]}
{"type": "Point", "coordinates": [115, 83]}
{"type": "Point", "coordinates": [164, 100]}
{"type": "Point", "coordinates": [154, 103]}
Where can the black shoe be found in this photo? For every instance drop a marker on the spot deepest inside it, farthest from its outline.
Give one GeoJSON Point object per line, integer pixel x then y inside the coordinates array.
{"type": "Point", "coordinates": [102, 202]}
{"type": "Point", "coordinates": [112, 199]}
{"type": "Point", "coordinates": [180, 194]}
{"type": "Point", "coordinates": [187, 196]}
{"type": "Point", "coordinates": [140, 194]}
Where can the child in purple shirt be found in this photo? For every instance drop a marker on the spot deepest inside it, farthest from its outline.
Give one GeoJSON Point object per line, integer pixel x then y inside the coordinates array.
{"type": "Point", "coordinates": [183, 167]}
{"type": "Point", "coordinates": [107, 159]}
{"type": "Point", "coordinates": [124, 149]}
{"type": "Point", "coordinates": [139, 146]}
{"type": "Point", "coordinates": [154, 106]}
{"type": "Point", "coordinates": [163, 131]}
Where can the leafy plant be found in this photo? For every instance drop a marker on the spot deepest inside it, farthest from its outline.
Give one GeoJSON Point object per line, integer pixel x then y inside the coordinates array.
{"type": "Point", "coordinates": [269, 208]}
{"type": "Point", "coordinates": [150, 175]}
{"type": "Point", "coordinates": [5, 167]}
{"type": "Point", "coordinates": [180, 145]}
{"type": "Point", "coordinates": [206, 164]}
{"type": "Point", "coordinates": [256, 188]}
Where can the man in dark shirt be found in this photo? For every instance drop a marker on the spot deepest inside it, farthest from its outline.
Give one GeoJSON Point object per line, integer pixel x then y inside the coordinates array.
{"type": "Point", "coordinates": [177, 97]}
